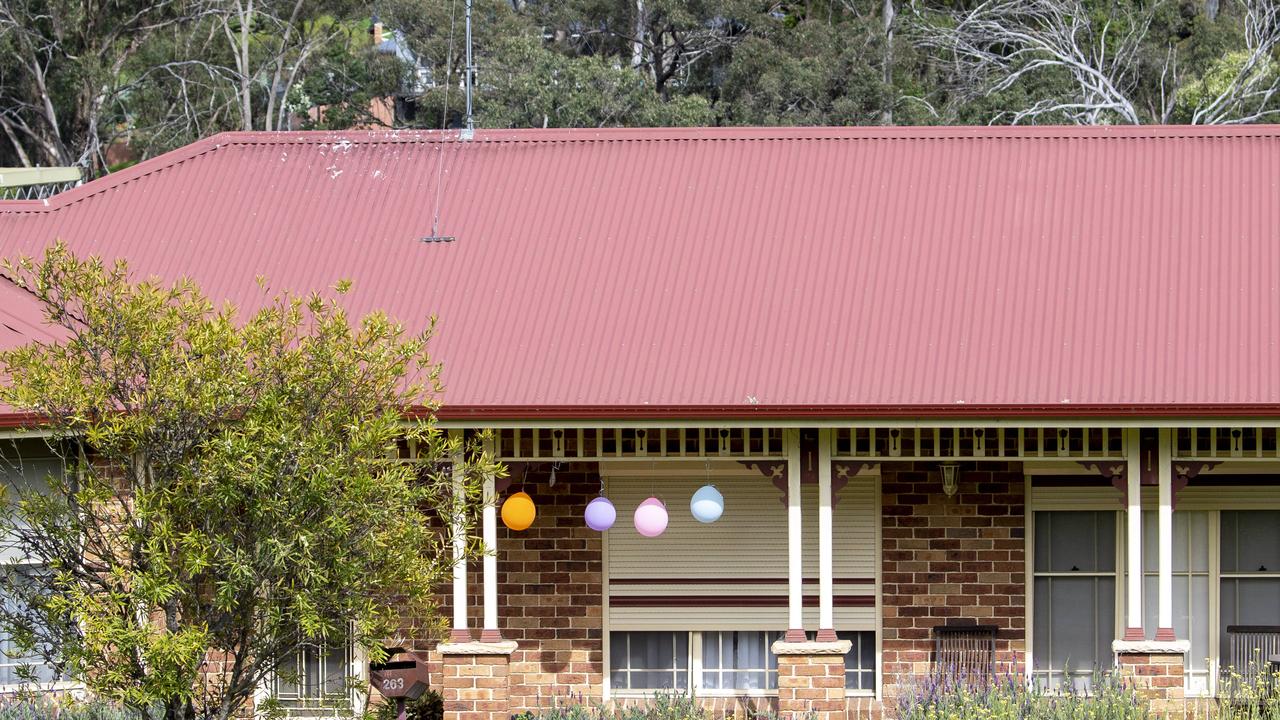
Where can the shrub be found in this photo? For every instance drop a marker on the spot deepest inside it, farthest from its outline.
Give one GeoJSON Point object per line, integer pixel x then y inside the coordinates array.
{"type": "Point", "coordinates": [1011, 697]}
{"type": "Point", "coordinates": [660, 706]}
{"type": "Point", "coordinates": [1249, 694]}
{"type": "Point", "coordinates": [430, 706]}
{"type": "Point", "coordinates": [60, 707]}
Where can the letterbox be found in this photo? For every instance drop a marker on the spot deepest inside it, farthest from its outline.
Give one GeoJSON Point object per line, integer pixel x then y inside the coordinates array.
{"type": "Point", "coordinates": [403, 676]}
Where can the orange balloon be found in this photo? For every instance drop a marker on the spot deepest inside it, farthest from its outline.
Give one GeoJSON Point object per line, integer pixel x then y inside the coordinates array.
{"type": "Point", "coordinates": [518, 512]}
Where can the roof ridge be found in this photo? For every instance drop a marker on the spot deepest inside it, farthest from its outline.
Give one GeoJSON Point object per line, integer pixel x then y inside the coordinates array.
{"type": "Point", "coordinates": [919, 132]}
{"type": "Point", "coordinates": [681, 134]}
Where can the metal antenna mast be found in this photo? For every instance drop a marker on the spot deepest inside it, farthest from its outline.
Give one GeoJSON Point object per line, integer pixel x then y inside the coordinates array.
{"type": "Point", "coordinates": [470, 129]}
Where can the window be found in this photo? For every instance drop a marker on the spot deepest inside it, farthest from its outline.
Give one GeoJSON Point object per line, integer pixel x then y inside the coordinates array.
{"type": "Point", "coordinates": [14, 665]}
{"type": "Point", "coordinates": [739, 661]}
{"type": "Point", "coordinates": [1250, 572]}
{"type": "Point", "coordinates": [1190, 587]}
{"type": "Point", "coordinates": [22, 470]}
{"type": "Point", "coordinates": [1074, 595]}
{"type": "Point", "coordinates": [860, 662]}
{"type": "Point", "coordinates": [649, 660]}
{"type": "Point", "coordinates": [316, 681]}
{"type": "Point", "coordinates": [720, 661]}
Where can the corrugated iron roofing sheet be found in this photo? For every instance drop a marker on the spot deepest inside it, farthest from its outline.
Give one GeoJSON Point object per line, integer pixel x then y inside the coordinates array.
{"type": "Point", "coordinates": [739, 271]}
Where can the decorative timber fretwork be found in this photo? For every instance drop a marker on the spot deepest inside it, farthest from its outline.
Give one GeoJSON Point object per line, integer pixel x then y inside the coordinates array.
{"type": "Point", "coordinates": [870, 444]}
{"type": "Point", "coordinates": [775, 472]}
{"type": "Point", "coordinates": [1226, 443]}
{"type": "Point", "coordinates": [1183, 472]}
{"type": "Point", "coordinates": [649, 443]}
{"type": "Point", "coordinates": [1114, 471]}
{"type": "Point", "coordinates": [842, 471]}
{"type": "Point", "coordinates": [977, 443]}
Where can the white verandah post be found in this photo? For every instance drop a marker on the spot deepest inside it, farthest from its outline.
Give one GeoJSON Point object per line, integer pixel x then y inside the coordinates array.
{"type": "Point", "coordinates": [795, 555]}
{"type": "Point", "coordinates": [459, 633]}
{"type": "Point", "coordinates": [826, 583]}
{"type": "Point", "coordinates": [489, 631]}
{"type": "Point", "coordinates": [1164, 626]}
{"type": "Point", "coordinates": [1133, 539]}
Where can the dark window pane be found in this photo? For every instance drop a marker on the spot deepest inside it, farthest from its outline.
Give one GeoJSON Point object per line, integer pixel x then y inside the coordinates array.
{"type": "Point", "coordinates": [1250, 541]}
{"type": "Point", "coordinates": [1248, 601]}
{"type": "Point", "coordinates": [1075, 541]}
{"type": "Point", "coordinates": [1074, 624]}
{"type": "Point", "coordinates": [649, 660]}
{"type": "Point", "coordinates": [860, 661]}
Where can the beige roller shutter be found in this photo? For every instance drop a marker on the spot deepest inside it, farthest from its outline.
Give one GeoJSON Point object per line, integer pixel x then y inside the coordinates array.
{"type": "Point", "coordinates": [731, 574]}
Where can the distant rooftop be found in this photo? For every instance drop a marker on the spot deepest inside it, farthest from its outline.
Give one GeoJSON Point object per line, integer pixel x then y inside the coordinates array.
{"type": "Point", "coordinates": [23, 183]}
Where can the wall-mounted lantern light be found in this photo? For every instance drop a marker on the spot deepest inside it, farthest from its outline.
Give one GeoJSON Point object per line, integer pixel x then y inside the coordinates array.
{"type": "Point", "coordinates": [950, 478]}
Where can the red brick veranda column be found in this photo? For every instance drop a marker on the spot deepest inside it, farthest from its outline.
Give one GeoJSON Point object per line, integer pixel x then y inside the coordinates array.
{"type": "Point", "coordinates": [477, 680]}
{"type": "Point", "coordinates": [811, 679]}
{"type": "Point", "coordinates": [1157, 670]}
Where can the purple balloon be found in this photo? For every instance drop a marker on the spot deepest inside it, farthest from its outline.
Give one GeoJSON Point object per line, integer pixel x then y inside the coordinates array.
{"type": "Point", "coordinates": [600, 514]}
{"type": "Point", "coordinates": [651, 518]}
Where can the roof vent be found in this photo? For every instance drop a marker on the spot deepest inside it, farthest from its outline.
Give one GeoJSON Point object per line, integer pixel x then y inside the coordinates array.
{"type": "Point", "coordinates": [438, 238]}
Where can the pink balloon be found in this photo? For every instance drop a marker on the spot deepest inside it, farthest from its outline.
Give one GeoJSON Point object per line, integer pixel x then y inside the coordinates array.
{"type": "Point", "coordinates": [651, 518]}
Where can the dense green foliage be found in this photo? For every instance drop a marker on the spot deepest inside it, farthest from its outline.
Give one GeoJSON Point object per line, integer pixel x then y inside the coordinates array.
{"type": "Point", "coordinates": [236, 487]}
{"type": "Point", "coordinates": [158, 75]}
{"type": "Point", "coordinates": [429, 706]}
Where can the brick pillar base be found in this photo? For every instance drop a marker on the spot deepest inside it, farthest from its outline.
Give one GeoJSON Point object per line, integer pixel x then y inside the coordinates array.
{"type": "Point", "coordinates": [476, 682]}
{"type": "Point", "coordinates": [1157, 671]}
{"type": "Point", "coordinates": [811, 679]}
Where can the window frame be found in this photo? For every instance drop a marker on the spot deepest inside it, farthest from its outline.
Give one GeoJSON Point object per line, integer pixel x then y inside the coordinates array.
{"type": "Point", "coordinates": [27, 564]}
{"type": "Point", "coordinates": [695, 668]}
{"type": "Point", "coordinates": [1237, 497]}
{"type": "Point", "coordinates": [5, 661]}
{"type": "Point", "coordinates": [357, 668]}
{"type": "Point", "coordinates": [697, 678]}
{"type": "Point", "coordinates": [1212, 577]}
{"type": "Point", "coordinates": [1116, 575]}
{"type": "Point", "coordinates": [690, 654]}
{"type": "Point", "coordinates": [1215, 587]}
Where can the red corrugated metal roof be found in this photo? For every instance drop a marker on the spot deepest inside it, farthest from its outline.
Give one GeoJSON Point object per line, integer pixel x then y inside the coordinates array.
{"type": "Point", "coordinates": [21, 319]}
{"type": "Point", "coordinates": [740, 271]}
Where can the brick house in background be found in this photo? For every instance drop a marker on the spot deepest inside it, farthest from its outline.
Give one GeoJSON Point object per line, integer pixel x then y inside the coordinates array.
{"type": "Point", "coordinates": [1002, 397]}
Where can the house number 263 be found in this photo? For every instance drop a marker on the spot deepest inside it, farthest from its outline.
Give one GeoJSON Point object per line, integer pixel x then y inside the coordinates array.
{"type": "Point", "coordinates": [393, 684]}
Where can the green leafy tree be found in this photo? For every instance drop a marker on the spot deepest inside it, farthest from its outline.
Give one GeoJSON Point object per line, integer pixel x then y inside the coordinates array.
{"type": "Point", "coordinates": [810, 72]}
{"type": "Point", "coordinates": [236, 487]}
{"type": "Point", "coordinates": [528, 85]}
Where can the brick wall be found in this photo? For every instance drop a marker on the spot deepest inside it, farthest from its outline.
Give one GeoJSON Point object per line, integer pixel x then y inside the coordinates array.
{"type": "Point", "coordinates": [549, 591]}
{"type": "Point", "coordinates": [811, 684]}
{"type": "Point", "coordinates": [476, 687]}
{"type": "Point", "coordinates": [550, 597]}
{"type": "Point", "coordinates": [1158, 677]}
{"type": "Point", "coordinates": [951, 560]}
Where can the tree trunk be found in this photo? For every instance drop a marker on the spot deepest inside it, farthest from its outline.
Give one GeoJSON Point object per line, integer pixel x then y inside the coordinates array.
{"type": "Point", "coordinates": [637, 41]}
{"type": "Point", "coordinates": [887, 14]}
{"type": "Point", "coordinates": [246, 96]}
{"type": "Point", "coordinates": [1211, 8]}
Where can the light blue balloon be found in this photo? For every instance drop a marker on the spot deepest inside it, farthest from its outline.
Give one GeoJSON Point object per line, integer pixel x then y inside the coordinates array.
{"type": "Point", "coordinates": [707, 504]}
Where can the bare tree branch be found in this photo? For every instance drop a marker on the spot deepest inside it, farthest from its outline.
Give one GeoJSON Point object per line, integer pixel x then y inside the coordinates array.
{"type": "Point", "coordinates": [1000, 43]}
